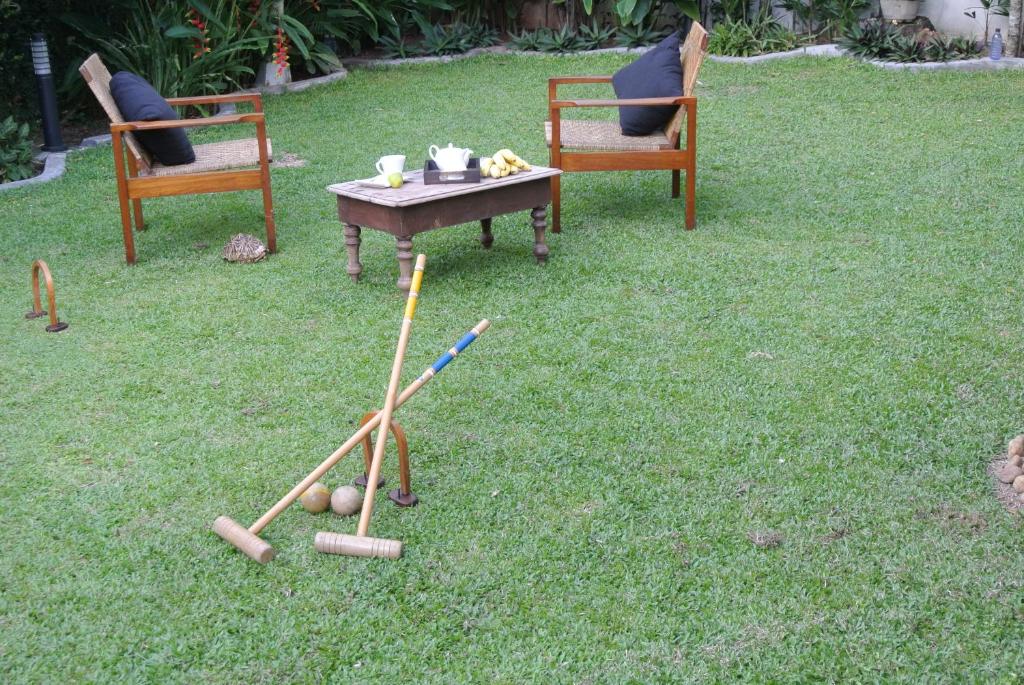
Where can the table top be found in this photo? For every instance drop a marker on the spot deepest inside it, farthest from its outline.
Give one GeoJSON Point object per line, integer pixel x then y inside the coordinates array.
{"type": "Point", "coordinates": [415, 192]}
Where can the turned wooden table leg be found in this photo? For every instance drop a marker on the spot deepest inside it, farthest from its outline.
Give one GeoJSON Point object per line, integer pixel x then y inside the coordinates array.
{"type": "Point", "coordinates": [540, 250]}
{"type": "Point", "coordinates": [352, 245]}
{"type": "Point", "coordinates": [486, 238]}
{"type": "Point", "coordinates": [404, 262]}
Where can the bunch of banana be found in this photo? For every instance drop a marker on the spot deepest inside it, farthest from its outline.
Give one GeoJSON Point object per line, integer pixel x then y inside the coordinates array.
{"type": "Point", "coordinates": [503, 163]}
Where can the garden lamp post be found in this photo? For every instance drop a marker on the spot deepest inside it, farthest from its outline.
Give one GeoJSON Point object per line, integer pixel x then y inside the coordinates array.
{"type": "Point", "coordinates": [52, 141]}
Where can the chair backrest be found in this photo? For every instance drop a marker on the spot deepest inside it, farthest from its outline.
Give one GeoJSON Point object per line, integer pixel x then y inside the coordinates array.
{"type": "Point", "coordinates": [97, 76]}
{"type": "Point", "coordinates": [691, 56]}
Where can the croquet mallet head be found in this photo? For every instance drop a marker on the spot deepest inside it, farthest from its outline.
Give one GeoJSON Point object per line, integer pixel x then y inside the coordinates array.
{"type": "Point", "coordinates": [248, 543]}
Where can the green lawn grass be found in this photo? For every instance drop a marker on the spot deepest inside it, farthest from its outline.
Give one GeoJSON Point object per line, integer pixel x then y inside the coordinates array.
{"type": "Point", "coordinates": [833, 355]}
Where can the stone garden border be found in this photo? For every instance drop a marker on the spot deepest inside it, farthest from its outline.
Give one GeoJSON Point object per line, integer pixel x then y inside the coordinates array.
{"type": "Point", "coordinates": [55, 161]}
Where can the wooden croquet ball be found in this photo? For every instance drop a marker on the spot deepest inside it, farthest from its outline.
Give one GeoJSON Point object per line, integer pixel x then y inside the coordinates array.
{"type": "Point", "coordinates": [346, 500]}
{"type": "Point", "coordinates": [316, 499]}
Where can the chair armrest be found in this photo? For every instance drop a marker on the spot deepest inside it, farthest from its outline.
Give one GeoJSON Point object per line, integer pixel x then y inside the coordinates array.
{"type": "Point", "coordinates": [634, 102]}
{"type": "Point", "coordinates": [214, 99]}
{"type": "Point", "coordinates": [555, 81]}
{"type": "Point", "coordinates": [250, 118]}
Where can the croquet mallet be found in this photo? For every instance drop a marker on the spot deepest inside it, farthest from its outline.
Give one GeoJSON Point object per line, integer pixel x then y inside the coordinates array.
{"type": "Point", "coordinates": [360, 544]}
{"type": "Point", "coordinates": [247, 540]}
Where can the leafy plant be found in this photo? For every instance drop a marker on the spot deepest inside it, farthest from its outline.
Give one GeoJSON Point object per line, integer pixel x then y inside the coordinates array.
{"type": "Point", "coordinates": [745, 39]}
{"type": "Point", "coordinates": [640, 12]}
{"type": "Point", "coordinates": [481, 35]}
{"type": "Point", "coordinates": [1000, 8]}
{"type": "Point", "coordinates": [637, 35]}
{"type": "Point", "coordinates": [907, 49]}
{"type": "Point", "coordinates": [180, 59]}
{"type": "Point", "coordinates": [806, 12]}
{"type": "Point", "coordinates": [940, 49]}
{"type": "Point", "coordinates": [883, 41]}
{"type": "Point", "coordinates": [441, 40]}
{"type": "Point", "coordinates": [840, 15]}
{"type": "Point", "coordinates": [396, 46]}
{"type": "Point", "coordinates": [873, 40]}
{"type": "Point", "coordinates": [563, 40]}
{"type": "Point", "coordinates": [527, 40]}
{"type": "Point", "coordinates": [966, 47]}
{"type": "Point", "coordinates": [594, 36]}
{"type": "Point", "coordinates": [15, 151]}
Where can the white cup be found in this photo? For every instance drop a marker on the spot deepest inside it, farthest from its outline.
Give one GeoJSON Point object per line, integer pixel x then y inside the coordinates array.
{"type": "Point", "coordinates": [389, 164]}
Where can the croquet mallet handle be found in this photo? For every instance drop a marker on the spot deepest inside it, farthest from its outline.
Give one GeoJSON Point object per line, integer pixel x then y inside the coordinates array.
{"type": "Point", "coordinates": [366, 430]}
{"type": "Point", "coordinates": [391, 396]}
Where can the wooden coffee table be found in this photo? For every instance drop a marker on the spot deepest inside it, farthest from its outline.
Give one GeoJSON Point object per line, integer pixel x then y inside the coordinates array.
{"type": "Point", "coordinates": [415, 208]}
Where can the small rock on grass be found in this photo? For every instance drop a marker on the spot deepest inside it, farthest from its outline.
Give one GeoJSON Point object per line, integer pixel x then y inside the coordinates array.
{"type": "Point", "coordinates": [1016, 446]}
{"type": "Point", "coordinates": [1008, 473]}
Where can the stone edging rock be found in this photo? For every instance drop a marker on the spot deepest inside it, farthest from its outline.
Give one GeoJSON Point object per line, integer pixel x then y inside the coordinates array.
{"type": "Point", "coordinates": [827, 50]}
{"type": "Point", "coordinates": [360, 63]}
{"type": "Point", "coordinates": [833, 50]}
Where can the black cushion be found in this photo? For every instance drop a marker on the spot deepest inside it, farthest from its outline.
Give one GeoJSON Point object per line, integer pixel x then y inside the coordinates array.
{"type": "Point", "coordinates": [138, 101]}
{"type": "Point", "coordinates": [656, 74]}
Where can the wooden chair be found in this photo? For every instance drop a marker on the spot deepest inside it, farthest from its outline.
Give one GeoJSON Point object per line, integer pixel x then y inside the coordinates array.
{"type": "Point", "coordinates": [218, 167]}
{"type": "Point", "coordinates": [590, 145]}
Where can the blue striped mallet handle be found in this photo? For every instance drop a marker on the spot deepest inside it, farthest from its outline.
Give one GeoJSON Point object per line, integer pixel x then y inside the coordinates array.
{"type": "Point", "coordinates": [361, 545]}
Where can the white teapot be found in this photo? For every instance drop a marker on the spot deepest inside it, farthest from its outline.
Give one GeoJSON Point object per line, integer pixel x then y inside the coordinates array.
{"type": "Point", "coordinates": [450, 158]}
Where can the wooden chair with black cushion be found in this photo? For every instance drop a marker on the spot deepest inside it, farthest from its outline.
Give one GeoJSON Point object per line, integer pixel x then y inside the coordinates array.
{"type": "Point", "coordinates": [598, 145]}
{"type": "Point", "coordinates": [218, 167]}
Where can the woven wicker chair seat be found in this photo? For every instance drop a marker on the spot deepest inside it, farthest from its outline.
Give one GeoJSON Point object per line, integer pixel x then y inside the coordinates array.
{"type": "Point", "coordinates": [603, 135]}
{"type": "Point", "coordinates": [229, 154]}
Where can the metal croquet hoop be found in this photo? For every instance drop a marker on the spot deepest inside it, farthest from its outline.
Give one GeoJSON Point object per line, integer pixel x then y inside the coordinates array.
{"type": "Point", "coordinates": [37, 303]}
{"type": "Point", "coordinates": [402, 495]}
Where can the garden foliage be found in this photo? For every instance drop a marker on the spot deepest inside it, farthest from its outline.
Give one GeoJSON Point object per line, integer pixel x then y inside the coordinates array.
{"type": "Point", "coordinates": [881, 41]}
{"type": "Point", "coordinates": [15, 151]}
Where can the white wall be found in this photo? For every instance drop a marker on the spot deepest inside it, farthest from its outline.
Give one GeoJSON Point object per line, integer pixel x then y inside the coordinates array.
{"type": "Point", "coordinates": [948, 17]}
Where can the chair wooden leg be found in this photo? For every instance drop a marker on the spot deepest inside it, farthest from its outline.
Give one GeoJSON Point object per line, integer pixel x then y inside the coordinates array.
{"type": "Point", "coordinates": [268, 216]}
{"type": "Point", "coordinates": [126, 229]}
{"type": "Point", "coordinates": [122, 196]}
{"type": "Point", "coordinates": [691, 192]}
{"type": "Point", "coordinates": [140, 223]}
{"type": "Point", "coordinates": [556, 204]}
{"type": "Point", "coordinates": [133, 172]}
{"type": "Point", "coordinates": [675, 183]}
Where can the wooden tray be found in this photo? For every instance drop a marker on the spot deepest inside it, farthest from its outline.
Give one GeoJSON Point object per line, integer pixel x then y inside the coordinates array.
{"type": "Point", "coordinates": [433, 175]}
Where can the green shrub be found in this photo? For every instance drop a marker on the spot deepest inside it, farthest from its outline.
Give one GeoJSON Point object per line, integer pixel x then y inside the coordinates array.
{"type": "Point", "coordinates": [881, 41]}
{"type": "Point", "coordinates": [638, 35]}
{"type": "Point", "coordinates": [528, 40]}
{"type": "Point", "coordinates": [178, 58]}
{"type": "Point", "coordinates": [441, 40]}
{"type": "Point", "coordinates": [15, 151]}
{"type": "Point", "coordinates": [746, 39]}
{"type": "Point", "coordinates": [594, 36]}
{"type": "Point", "coordinates": [563, 40]}
{"type": "Point", "coordinates": [395, 46]}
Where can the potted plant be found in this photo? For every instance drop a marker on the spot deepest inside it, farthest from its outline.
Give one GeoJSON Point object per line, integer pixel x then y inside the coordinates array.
{"type": "Point", "coordinates": [899, 10]}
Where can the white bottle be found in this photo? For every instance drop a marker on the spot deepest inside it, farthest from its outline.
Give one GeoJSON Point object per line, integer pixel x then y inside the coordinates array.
{"type": "Point", "coordinates": [995, 47]}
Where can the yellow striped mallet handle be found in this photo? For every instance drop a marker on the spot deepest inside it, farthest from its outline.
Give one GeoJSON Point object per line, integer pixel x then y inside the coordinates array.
{"type": "Point", "coordinates": [247, 540]}
{"type": "Point", "coordinates": [391, 397]}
